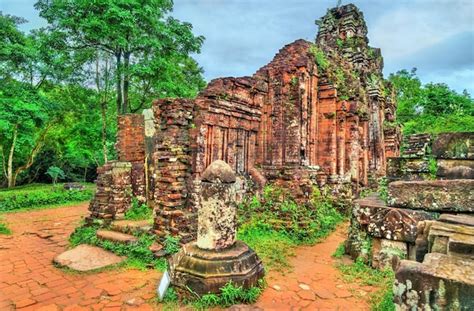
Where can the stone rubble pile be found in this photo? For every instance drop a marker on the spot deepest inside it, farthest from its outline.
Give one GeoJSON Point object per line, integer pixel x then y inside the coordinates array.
{"type": "Point", "coordinates": [428, 222]}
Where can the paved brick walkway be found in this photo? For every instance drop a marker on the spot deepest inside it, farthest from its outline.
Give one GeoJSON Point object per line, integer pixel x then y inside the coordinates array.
{"type": "Point", "coordinates": [29, 281]}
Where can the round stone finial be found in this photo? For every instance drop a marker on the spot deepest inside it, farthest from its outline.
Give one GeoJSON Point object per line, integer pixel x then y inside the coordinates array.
{"type": "Point", "coordinates": [218, 172]}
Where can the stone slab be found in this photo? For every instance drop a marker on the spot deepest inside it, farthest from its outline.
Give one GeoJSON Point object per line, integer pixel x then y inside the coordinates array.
{"type": "Point", "coordinates": [455, 169]}
{"type": "Point", "coordinates": [462, 219]}
{"type": "Point", "coordinates": [389, 223]}
{"type": "Point", "coordinates": [456, 195]}
{"type": "Point", "coordinates": [454, 146]}
{"type": "Point", "coordinates": [115, 236]}
{"type": "Point", "coordinates": [451, 239]}
{"type": "Point", "coordinates": [407, 169]}
{"type": "Point", "coordinates": [129, 226]}
{"type": "Point", "coordinates": [86, 258]}
{"type": "Point", "coordinates": [441, 280]}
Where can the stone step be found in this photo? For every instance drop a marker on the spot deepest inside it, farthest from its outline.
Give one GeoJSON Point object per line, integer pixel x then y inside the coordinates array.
{"type": "Point", "coordinates": [455, 195]}
{"type": "Point", "coordinates": [87, 258]}
{"type": "Point", "coordinates": [451, 239]}
{"type": "Point", "coordinates": [131, 226]}
{"type": "Point", "coordinates": [116, 237]}
{"type": "Point", "coordinates": [455, 169]}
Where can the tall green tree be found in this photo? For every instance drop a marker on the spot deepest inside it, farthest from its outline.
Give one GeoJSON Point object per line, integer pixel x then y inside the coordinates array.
{"type": "Point", "coordinates": [431, 108]}
{"type": "Point", "coordinates": [141, 36]}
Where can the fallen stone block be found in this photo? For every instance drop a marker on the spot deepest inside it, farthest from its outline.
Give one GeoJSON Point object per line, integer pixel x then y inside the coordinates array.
{"type": "Point", "coordinates": [456, 195]}
{"type": "Point", "coordinates": [451, 238]}
{"type": "Point", "coordinates": [384, 251]}
{"type": "Point", "coordinates": [86, 258]}
{"type": "Point", "coordinates": [454, 146]}
{"type": "Point", "coordinates": [116, 237]}
{"type": "Point", "coordinates": [441, 282]}
{"type": "Point", "coordinates": [455, 169]}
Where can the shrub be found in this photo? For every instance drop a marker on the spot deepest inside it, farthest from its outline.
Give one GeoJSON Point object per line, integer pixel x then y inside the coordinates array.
{"type": "Point", "coordinates": [36, 196]}
{"type": "Point", "coordinates": [171, 244]}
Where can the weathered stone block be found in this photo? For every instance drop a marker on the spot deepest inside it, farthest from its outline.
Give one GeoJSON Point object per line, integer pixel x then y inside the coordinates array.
{"type": "Point", "coordinates": [441, 282]}
{"type": "Point", "coordinates": [452, 238]}
{"type": "Point", "coordinates": [407, 169]}
{"type": "Point", "coordinates": [455, 169]}
{"type": "Point", "coordinates": [455, 195]}
{"type": "Point", "coordinates": [454, 146]}
{"type": "Point", "coordinates": [384, 251]}
{"type": "Point", "coordinates": [386, 222]}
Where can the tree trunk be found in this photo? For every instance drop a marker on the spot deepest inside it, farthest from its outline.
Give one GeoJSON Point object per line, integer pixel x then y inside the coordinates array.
{"type": "Point", "coordinates": [104, 130]}
{"type": "Point", "coordinates": [126, 81]}
{"type": "Point", "coordinates": [10, 177]}
{"type": "Point", "coordinates": [118, 56]}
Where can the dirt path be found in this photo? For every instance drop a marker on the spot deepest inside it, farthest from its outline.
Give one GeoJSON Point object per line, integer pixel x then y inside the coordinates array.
{"type": "Point", "coordinates": [314, 283]}
{"type": "Point", "coordinates": [29, 281]}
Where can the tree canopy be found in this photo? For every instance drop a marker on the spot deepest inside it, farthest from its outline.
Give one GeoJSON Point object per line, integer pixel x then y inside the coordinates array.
{"type": "Point", "coordinates": [431, 108]}
{"type": "Point", "coordinates": [63, 85]}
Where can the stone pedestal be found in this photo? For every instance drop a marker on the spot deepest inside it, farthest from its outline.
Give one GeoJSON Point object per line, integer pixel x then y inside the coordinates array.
{"type": "Point", "coordinates": [216, 258]}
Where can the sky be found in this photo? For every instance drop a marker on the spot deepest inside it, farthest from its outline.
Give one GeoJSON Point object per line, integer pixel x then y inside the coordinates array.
{"type": "Point", "coordinates": [435, 36]}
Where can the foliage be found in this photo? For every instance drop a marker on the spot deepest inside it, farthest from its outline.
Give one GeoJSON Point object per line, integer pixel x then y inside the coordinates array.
{"type": "Point", "coordinates": [340, 251]}
{"type": "Point", "coordinates": [171, 244]}
{"type": "Point", "coordinates": [138, 253]}
{"type": "Point", "coordinates": [273, 247]}
{"type": "Point", "coordinates": [319, 57]}
{"type": "Point", "coordinates": [4, 229]}
{"type": "Point", "coordinates": [138, 211]}
{"type": "Point", "coordinates": [274, 223]}
{"type": "Point", "coordinates": [230, 295]}
{"type": "Point", "coordinates": [36, 196]}
{"type": "Point", "coordinates": [431, 108]}
{"type": "Point", "coordinates": [432, 167]}
{"type": "Point", "coordinates": [382, 188]}
{"type": "Point", "coordinates": [55, 173]}
{"type": "Point", "coordinates": [149, 48]}
{"type": "Point", "coordinates": [382, 299]}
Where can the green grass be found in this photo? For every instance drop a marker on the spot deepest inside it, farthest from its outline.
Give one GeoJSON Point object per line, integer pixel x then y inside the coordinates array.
{"type": "Point", "coordinates": [340, 251]}
{"type": "Point", "coordinates": [138, 211]}
{"type": "Point", "coordinates": [138, 253]}
{"type": "Point", "coordinates": [38, 196]}
{"type": "Point", "coordinates": [4, 229]}
{"type": "Point", "coordinates": [274, 223]}
{"type": "Point", "coordinates": [361, 273]}
{"type": "Point", "coordinates": [229, 295]}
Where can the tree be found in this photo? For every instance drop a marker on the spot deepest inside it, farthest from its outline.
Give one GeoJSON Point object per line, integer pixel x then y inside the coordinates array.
{"type": "Point", "coordinates": [24, 125]}
{"type": "Point", "coordinates": [431, 108]}
{"type": "Point", "coordinates": [138, 34]}
{"type": "Point", "coordinates": [55, 173]}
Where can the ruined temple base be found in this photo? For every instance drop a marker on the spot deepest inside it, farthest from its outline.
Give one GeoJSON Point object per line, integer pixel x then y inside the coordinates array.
{"type": "Point", "coordinates": [207, 271]}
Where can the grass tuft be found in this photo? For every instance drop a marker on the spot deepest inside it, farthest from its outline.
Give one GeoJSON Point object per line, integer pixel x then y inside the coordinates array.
{"type": "Point", "coordinates": [4, 229]}
{"type": "Point", "coordinates": [138, 211]}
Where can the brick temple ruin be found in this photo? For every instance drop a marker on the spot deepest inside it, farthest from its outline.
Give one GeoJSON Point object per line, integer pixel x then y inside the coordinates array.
{"type": "Point", "coordinates": [293, 120]}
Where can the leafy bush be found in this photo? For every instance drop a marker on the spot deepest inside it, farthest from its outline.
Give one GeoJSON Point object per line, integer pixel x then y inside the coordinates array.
{"type": "Point", "coordinates": [35, 196]}
{"type": "Point", "coordinates": [138, 211]}
{"type": "Point", "coordinates": [171, 244]}
{"type": "Point", "coordinates": [319, 57]}
{"type": "Point", "coordinates": [55, 173]}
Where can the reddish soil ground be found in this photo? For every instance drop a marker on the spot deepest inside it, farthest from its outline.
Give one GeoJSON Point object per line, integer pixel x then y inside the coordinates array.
{"type": "Point", "coordinates": [314, 283]}
{"type": "Point", "coordinates": [29, 281]}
